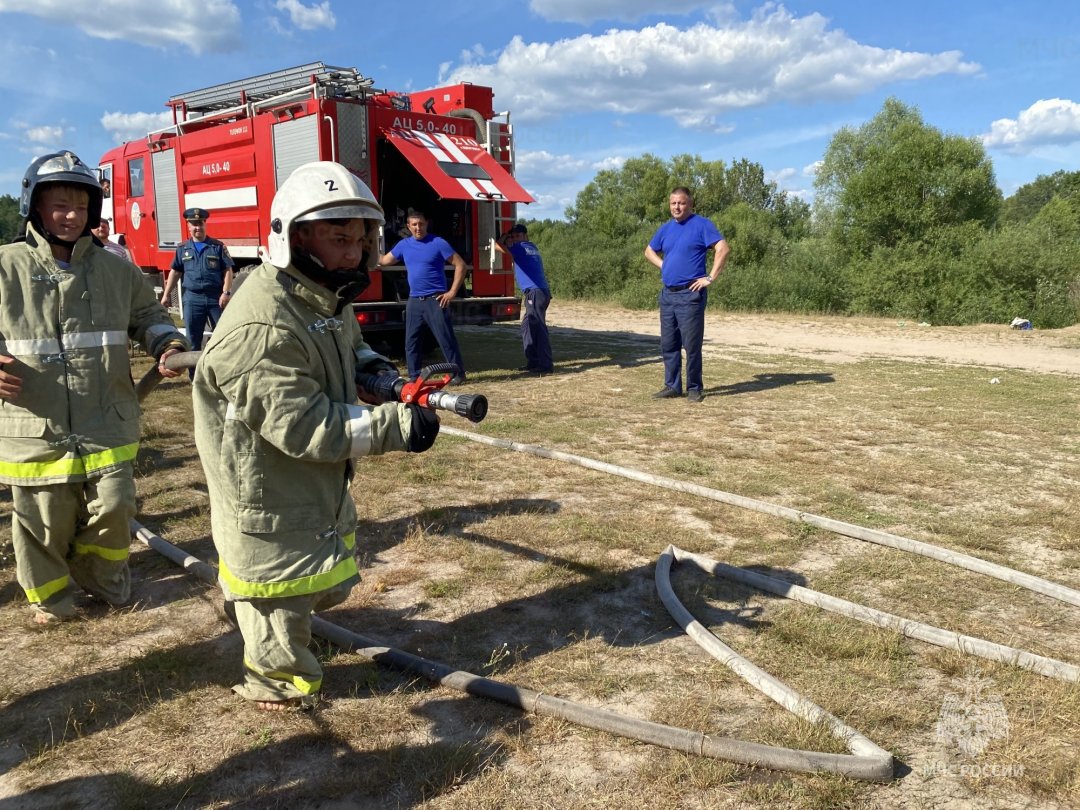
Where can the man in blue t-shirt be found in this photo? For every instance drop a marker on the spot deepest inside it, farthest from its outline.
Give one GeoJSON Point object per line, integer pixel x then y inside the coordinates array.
{"type": "Point", "coordinates": [678, 248]}
{"type": "Point", "coordinates": [425, 256]}
{"type": "Point", "coordinates": [529, 272]}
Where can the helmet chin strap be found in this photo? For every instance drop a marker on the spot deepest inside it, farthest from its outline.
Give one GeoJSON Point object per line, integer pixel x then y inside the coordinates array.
{"type": "Point", "coordinates": [346, 284]}
{"type": "Point", "coordinates": [50, 237]}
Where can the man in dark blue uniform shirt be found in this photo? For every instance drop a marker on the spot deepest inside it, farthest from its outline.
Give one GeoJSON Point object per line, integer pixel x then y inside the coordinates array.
{"type": "Point", "coordinates": [529, 272]}
{"type": "Point", "coordinates": [207, 270]}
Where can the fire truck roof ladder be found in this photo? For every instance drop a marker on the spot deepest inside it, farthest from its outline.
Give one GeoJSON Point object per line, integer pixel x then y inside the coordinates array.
{"type": "Point", "coordinates": [335, 81]}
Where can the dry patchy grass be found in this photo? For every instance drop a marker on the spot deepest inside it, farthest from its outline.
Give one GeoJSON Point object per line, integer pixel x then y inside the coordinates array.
{"type": "Point", "coordinates": [541, 574]}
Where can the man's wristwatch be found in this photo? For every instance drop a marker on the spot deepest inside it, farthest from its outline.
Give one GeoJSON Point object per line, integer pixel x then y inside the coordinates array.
{"type": "Point", "coordinates": [226, 292]}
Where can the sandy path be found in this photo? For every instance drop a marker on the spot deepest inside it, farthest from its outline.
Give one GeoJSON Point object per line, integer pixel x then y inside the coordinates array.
{"type": "Point", "coordinates": [840, 340]}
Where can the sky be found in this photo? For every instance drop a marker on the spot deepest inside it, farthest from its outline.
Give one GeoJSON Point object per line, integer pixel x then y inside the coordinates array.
{"type": "Point", "coordinates": [588, 83]}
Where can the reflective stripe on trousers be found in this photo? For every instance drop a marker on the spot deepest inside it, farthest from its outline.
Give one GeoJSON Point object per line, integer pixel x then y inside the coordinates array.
{"type": "Point", "coordinates": [74, 531]}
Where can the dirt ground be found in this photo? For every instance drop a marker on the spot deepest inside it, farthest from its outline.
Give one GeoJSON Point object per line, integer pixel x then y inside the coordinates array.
{"type": "Point", "coordinates": [838, 340]}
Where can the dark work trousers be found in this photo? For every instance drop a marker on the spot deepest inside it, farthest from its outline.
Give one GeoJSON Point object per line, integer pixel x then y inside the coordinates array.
{"type": "Point", "coordinates": [534, 331]}
{"type": "Point", "coordinates": [425, 312]}
{"type": "Point", "coordinates": [682, 326]}
{"type": "Point", "coordinates": [199, 310]}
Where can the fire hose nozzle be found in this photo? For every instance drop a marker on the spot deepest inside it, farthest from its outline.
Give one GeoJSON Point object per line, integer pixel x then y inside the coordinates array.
{"type": "Point", "coordinates": [473, 407]}
{"type": "Point", "coordinates": [426, 391]}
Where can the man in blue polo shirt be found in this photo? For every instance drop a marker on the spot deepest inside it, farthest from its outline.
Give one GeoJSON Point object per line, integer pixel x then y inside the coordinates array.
{"type": "Point", "coordinates": [425, 256]}
{"type": "Point", "coordinates": [678, 249]}
{"type": "Point", "coordinates": [207, 269]}
{"type": "Point", "coordinates": [529, 272]}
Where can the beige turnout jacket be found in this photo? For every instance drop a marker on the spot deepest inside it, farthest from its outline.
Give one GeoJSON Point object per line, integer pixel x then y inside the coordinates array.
{"type": "Point", "coordinates": [68, 330]}
{"type": "Point", "coordinates": [277, 424]}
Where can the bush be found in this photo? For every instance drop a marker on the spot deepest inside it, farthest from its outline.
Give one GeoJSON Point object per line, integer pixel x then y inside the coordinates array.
{"type": "Point", "coordinates": [955, 274]}
{"type": "Point", "coordinates": [799, 277]}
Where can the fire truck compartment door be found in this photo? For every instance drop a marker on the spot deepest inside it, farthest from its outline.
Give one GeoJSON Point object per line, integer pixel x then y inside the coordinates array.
{"type": "Point", "coordinates": [166, 187]}
{"type": "Point", "coordinates": [458, 168]}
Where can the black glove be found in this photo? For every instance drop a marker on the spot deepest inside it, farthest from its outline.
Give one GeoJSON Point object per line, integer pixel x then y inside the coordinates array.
{"type": "Point", "coordinates": [425, 427]}
{"type": "Point", "coordinates": [379, 366]}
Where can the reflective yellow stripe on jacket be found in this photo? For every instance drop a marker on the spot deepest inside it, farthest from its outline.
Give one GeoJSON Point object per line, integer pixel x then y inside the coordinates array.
{"type": "Point", "coordinates": [69, 466]}
{"type": "Point", "coordinates": [313, 583]}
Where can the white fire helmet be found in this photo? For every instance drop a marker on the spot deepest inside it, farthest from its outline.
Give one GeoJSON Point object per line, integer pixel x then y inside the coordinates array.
{"type": "Point", "coordinates": [319, 190]}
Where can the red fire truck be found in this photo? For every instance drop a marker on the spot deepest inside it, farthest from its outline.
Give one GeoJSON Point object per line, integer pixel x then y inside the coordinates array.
{"type": "Point", "coordinates": [446, 152]}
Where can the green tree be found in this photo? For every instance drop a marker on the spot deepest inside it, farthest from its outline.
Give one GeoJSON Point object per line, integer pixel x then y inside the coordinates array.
{"type": "Point", "coordinates": [617, 201]}
{"type": "Point", "coordinates": [896, 179]}
{"type": "Point", "coordinates": [9, 218]}
{"type": "Point", "coordinates": [1029, 199]}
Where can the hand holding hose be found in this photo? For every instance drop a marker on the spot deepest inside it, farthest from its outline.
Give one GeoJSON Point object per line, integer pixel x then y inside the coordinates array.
{"type": "Point", "coordinates": [425, 391]}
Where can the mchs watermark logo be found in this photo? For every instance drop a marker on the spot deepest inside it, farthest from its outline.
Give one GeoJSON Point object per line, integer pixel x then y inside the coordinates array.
{"type": "Point", "coordinates": [969, 722]}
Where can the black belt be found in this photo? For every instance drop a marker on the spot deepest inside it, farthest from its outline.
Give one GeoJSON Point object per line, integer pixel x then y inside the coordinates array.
{"type": "Point", "coordinates": [679, 288]}
{"type": "Point", "coordinates": [426, 297]}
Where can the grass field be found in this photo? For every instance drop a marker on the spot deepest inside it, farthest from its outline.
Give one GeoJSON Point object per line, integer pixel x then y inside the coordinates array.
{"type": "Point", "coordinates": [540, 574]}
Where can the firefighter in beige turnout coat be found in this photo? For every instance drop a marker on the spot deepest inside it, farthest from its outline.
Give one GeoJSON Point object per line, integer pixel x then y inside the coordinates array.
{"type": "Point", "coordinates": [69, 417]}
{"type": "Point", "coordinates": [278, 424]}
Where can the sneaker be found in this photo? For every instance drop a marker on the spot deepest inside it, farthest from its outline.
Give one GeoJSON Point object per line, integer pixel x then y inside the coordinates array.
{"type": "Point", "coordinates": [458, 379]}
{"type": "Point", "coordinates": [694, 395]}
{"type": "Point", "coordinates": [667, 393]}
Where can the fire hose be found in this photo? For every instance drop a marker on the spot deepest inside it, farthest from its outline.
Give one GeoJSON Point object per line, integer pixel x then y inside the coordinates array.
{"type": "Point", "coordinates": [873, 767]}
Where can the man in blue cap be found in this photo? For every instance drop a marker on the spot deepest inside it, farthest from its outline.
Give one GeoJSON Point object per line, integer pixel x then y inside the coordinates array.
{"type": "Point", "coordinates": [207, 269]}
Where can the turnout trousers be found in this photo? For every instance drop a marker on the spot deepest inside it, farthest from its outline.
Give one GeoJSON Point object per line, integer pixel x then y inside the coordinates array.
{"type": "Point", "coordinates": [278, 663]}
{"type": "Point", "coordinates": [77, 531]}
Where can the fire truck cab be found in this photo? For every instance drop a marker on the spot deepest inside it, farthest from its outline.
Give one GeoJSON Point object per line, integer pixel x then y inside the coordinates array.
{"type": "Point", "coordinates": [445, 151]}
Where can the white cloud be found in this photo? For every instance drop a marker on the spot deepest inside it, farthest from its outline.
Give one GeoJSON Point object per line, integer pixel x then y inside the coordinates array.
{"type": "Point", "coordinates": [539, 165]}
{"type": "Point", "coordinates": [1053, 121]}
{"type": "Point", "coordinates": [701, 121]}
{"type": "Point", "coordinates": [612, 164]}
{"type": "Point", "coordinates": [199, 25]}
{"type": "Point", "coordinates": [308, 18]}
{"type": "Point", "coordinates": [781, 177]}
{"type": "Point", "coordinates": [45, 135]}
{"type": "Point", "coordinates": [696, 75]}
{"type": "Point", "coordinates": [587, 11]}
{"type": "Point", "coordinates": [811, 169]}
{"type": "Point", "coordinates": [554, 180]}
{"type": "Point", "coordinates": [129, 126]}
